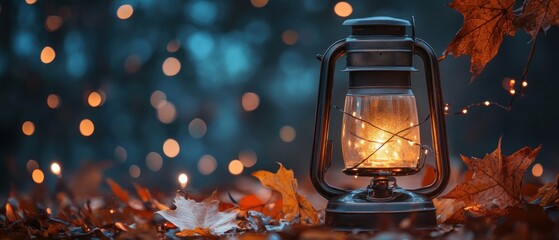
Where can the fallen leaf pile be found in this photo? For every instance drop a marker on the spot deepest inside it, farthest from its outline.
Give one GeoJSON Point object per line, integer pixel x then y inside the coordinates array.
{"type": "Point", "coordinates": [490, 203]}
{"type": "Point", "coordinates": [486, 22]}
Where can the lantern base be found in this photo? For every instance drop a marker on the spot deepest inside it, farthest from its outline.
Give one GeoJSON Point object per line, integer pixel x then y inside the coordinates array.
{"type": "Point", "coordinates": [356, 211]}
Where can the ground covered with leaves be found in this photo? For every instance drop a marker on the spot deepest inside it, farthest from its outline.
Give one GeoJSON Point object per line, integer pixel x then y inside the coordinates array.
{"type": "Point", "coordinates": [488, 205]}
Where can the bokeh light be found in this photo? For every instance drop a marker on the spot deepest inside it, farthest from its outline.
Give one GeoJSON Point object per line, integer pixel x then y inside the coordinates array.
{"type": "Point", "coordinates": [537, 170]}
{"type": "Point", "coordinates": [236, 167]}
{"type": "Point", "coordinates": [154, 161]}
{"type": "Point", "coordinates": [53, 23]}
{"type": "Point", "coordinates": [259, 3]}
{"type": "Point", "coordinates": [47, 55]}
{"type": "Point", "coordinates": [157, 99]}
{"type": "Point", "coordinates": [53, 101]}
{"type": "Point", "coordinates": [55, 168]}
{"type": "Point", "coordinates": [173, 46]}
{"type": "Point", "coordinates": [248, 158]}
{"type": "Point", "coordinates": [166, 112]}
{"type": "Point", "coordinates": [289, 37]}
{"type": "Point", "coordinates": [125, 11]}
{"type": "Point", "coordinates": [132, 63]}
{"type": "Point", "coordinates": [30, 1]}
{"type": "Point", "coordinates": [287, 134]}
{"type": "Point", "coordinates": [207, 164]}
{"type": "Point", "coordinates": [31, 165]}
{"type": "Point", "coordinates": [28, 128]}
{"type": "Point", "coordinates": [197, 128]}
{"type": "Point", "coordinates": [121, 154]}
{"type": "Point", "coordinates": [250, 101]}
{"type": "Point", "coordinates": [343, 9]}
{"type": "Point", "coordinates": [171, 66]}
{"type": "Point", "coordinates": [95, 99]}
{"type": "Point", "coordinates": [134, 171]}
{"type": "Point", "coordinates": [86, 127]}
{"type": "Point", "coordinates": [171, 148]}
{"type": "Point", "coordinates": [183, 180]}
{"type": "Point", "coordinates": [38, 176]}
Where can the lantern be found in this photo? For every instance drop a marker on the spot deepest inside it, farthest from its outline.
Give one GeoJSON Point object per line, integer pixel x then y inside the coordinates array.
{"type": "Point", "coordinates": [380, 127]}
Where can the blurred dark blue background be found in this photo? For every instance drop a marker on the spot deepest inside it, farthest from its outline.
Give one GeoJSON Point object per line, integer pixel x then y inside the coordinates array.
{"type": "Point", "coordinates": [226, 80]}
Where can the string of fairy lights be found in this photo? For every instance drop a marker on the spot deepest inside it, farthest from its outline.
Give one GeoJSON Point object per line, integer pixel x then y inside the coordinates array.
{"type": "Point", "coordinates": [511, 88]}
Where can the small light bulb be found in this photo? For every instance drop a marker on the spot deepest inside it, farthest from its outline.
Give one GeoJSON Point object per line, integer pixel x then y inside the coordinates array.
{"type": "Point", "coordinates": [524, 84]}
{"type": "Point", "coordinates": [512, 91]}
{"type": "Point", "coordinates": [183, 180]}
{"type": "Point", "coordinates": [464, 111]}
{"type": "Point", "coordinates": [55, 168]}
{"type": "Point", "coordinates": [486, 103]}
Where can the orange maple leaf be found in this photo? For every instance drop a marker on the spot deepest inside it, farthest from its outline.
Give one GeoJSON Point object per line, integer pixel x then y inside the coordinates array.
{"type": "Point", "coordinates": [486, 22]}
{"type": "Point", "coordinates": [294, 205]}
{"type": "Point", "coordinates": [496, 182]}
{"type": "Point", "coordinates": [538, 14]}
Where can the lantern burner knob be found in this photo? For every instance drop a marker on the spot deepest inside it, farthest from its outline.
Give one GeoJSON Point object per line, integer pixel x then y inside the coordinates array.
{"type": "Point", "coordinates": [382, 189]}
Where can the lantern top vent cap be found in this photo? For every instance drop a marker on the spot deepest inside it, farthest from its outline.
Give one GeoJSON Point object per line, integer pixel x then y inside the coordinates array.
{"type": "Point", "coordinates": [380, 25]}
{"type": "Point", "coordinates": [377, 21]}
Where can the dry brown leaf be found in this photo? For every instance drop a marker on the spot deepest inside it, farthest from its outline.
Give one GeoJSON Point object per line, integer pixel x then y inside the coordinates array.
{"type": "Point", "coordinates": [497, 179]}
{"type": "Point", "coordinates": [143, 192]}
{"type": "Point", "coordinates": [294, 205]}
{"type": "Point", "coordinates": [486, 22]}
{"type": "Point", "coordinates": [538, 14]}
{"type": "Point", "coordinates": [119, 192]}
{"type": "Point", "coordinates": [200, 217]}
{"type": "Point", "coordinates": [548, 194]}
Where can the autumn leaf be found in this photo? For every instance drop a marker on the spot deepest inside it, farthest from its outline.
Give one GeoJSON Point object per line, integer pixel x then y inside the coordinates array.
{"type": "Point", "coordinates": [497, 179]}
{"type": "Point", "coordinates": [548, 193]}
{"type": "Point", "coordinates": [294, 205]}
{"type": "Point", "coordinates": [119, 192]}
{"type": "Point", "coordinates": [199, 218]}
{"type": "Point", "coordinates": [486, 22]}
{"type": "Point", "coordinates": [538, 14]}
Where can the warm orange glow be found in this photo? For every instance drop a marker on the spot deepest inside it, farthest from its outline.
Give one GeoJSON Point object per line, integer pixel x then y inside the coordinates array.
{"type": "Point", "coordinates": [173, 46]}
{"type": "Point", "coordinates": [38, 176]}
{"type": "Point", "coordinates": [157, 99]}
{"type": "Point", "coordinates": [343, 9]}
{"type": "Point", "coordinates": [171, 148]}
{"type": "Point", "coordinates": [125, 11]}
{"type": "Point", "coordinates": [154, 161]}
{"type": "Point", "coordinates": [248, 158]}
{"type": "Point", "coordinates": [464, 111]}
{"type": "Point", "coordinates": [166, 112]}
{"type": "Point", "coordinates": [512, 92]}
{"type": "Point", "coordinates": [197, 128]}
{"type": "Point", "coordinates": [250, 101]}
{"type": "Point", "coordinates": [55, 168]}
{"type": "Point", "coordinates": [259, 3]}
{"type": "Point", "coordinates": [95, 99]}
{"type": "Point", "coordinates": [28, 128]}
{"type": "Point", "coordinates": [368, 146]}
{"type": "Point", "coordinates": [287, 133]}
{"type": "Point", "coordinates": [171, 66]}
{"type": "Point", "coordinates": [134, 171]}
{"type": "Point", "coordinates": [524, 84]}
{"type": "Point", "coordinates": [486, 103]}
{"type": "Point", "coordinates": [207, 164]}
{"type": "Point", "coordinates": [30, 1]}
{"type": "Point", "coordinates": [31, 165]}
{"type": "Point", "coordinates": [53, 23]}
{"type": "Point", "coordinates": [183, 180]}
{"type": "Point", "coordinates": [537, 170]}
{"type": "Point", "coordinates": [86, 127]}
{"type": "Point", "coordinates": [236, 167]}
{"type": "Point", "coordinates": [47, 55]}
{"type": "Point", "coordinates": [289, 37]}
{"type": "Point", "coordinates": [53, 101]}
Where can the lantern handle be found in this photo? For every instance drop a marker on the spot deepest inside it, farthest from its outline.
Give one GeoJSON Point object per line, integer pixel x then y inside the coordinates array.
{"type": "Point", "coordinates": [438, 126]}
{"type": "Point", "coordinates": [322, 148]}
